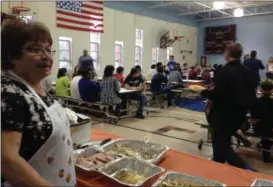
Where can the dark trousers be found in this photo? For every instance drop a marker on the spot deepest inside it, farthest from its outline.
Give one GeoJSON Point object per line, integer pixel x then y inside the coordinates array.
{"type": "Point", "coordinates": [221, 139]}
{"type": "Point", "coordinates": [266, 146]}
{"type": "Point", "coordinates": [142, 101]}
{"type": "Point", "coordinates": [269, 75]}
{"type": "Point", "coordinates": [167, 90]}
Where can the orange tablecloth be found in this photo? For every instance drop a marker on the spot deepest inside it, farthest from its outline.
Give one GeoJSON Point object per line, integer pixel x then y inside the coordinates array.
{"type": "Point", "coordinates": [181, 162]}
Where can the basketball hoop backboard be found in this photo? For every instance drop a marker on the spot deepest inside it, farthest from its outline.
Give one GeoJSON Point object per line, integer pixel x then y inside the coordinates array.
{"type": "Point", "coordinates": [169, 38]}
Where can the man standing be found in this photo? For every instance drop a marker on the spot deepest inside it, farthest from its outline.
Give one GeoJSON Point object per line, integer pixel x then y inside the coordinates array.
{"type": "Point", "coordinates": [231, 97]}
{"type": "Point", "coordinates": [85, 58]}
{"type": "Point", "coordinates": [254, 65]}
{"type": "Point", "coordinates": [171, 63]}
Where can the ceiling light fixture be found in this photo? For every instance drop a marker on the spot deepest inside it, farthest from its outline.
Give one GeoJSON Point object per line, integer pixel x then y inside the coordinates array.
{"type": "Point", "coordinates": [218, 5]}
{"type": "Point", "coordinates": [238, 12]}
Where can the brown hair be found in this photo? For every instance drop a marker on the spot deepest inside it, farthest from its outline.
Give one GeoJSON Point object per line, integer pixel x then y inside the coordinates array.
{"type": "Point", "coordinates": [235, 50]}
{"type": "Point", "coordinates": [15, 34]}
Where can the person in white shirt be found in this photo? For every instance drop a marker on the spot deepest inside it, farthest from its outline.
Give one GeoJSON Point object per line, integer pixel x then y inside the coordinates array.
{"type": "Point", "coordinates": [74, 88]}
{"type": "Point", "coordinates": [151, 72]}
{"type": "Point", "coordinates": [269, 68]}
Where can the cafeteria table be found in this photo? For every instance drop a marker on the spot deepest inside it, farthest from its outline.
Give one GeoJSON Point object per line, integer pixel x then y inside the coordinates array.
{"type": "Point", "coordinates": [180, 162]}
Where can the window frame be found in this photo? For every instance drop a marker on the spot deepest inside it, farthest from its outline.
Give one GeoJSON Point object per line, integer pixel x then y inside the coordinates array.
{"type": "Point", "coordinates": [95, 40]}
{"type": "Point", "coordinates": [169, 52]}
{"type": "Point", "coordinates": [154, 61]}
{"type": "Point", "coordinates": [139, 44]}
{"type": "Point", "coordinates": [119, 62]}
{"type": "Point", "coordinates": [69, 60]}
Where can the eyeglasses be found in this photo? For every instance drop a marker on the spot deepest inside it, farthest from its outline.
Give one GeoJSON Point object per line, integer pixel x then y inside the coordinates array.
{"type": "Point", "coordinates": [40, 50]}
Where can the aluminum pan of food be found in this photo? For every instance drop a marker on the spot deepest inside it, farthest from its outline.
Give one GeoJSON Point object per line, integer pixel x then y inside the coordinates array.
{"type": "Point", "coordinates": [150, 152]}
{"type": "Point", "coordinates": [262, 182]}
{"type": "Point", "coordinates": [130, 171]}
{"type": "Point", "coordinates": [91, 159]}
{"type": "Point", "coordinates": [172, 178]}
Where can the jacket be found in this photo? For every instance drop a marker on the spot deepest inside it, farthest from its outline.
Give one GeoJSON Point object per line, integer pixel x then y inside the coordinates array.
{"type": "Point", "coordinates": [254, 65]}
{"type": "Point", "coordinates": [233, 94]}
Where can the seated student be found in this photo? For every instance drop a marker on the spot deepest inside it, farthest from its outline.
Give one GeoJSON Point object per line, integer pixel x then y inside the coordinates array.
{"type": "Point", "coordinates": [89, 89]}
{"type": "Point", "coordinates": [119, 75]}
{"type": "Point", "coordinates": [158, 85]}
{"type": "Point", "coordinates": [261, 118]}
{"type": "Point", "coordinates": [171, 63]}
{"type": "Point", "coordinates": [139, 69]}
{"type": "Point", "coordinates": [62, 83]}
{"type": "Point", "coordinates": [176, 74]}
{"type": "Point", "coordinates": [185, 67]}
{"type": "Point", "coordinates": [134, 81]}
{"type": "Point", "coordinates": [74, 85]}
{"type": "Point", "coordinates": [206, 75]}
{"type": "Point", "coordinates": [193, 74]}
{"type": "Point", "coordinates": [110, 88]}
{"type": "Point", "coordinates": [151, 73]}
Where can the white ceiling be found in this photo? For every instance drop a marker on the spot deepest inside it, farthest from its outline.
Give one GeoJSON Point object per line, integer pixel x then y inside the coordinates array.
{"type": "Point", "coordinates": [203, 10]}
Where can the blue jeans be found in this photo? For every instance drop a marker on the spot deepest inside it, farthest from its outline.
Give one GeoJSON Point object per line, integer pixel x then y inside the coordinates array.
{"type": "Point", "coordinates": [167, 90]}
{"type": "Point", "coordinates": [142, 101]}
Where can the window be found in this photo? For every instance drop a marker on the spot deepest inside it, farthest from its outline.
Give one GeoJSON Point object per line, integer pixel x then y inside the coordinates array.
{"type": "Point", "coordinates": [118, 53]}
{"type": "Point", "coordinates": [169, 52]}
{"type": "Point", "coordinates": [65, 52]}
{"type": "Point", "coordinates": [138, 47]}
{"type": "Point", "coordinates": [95, 49]}
{"type": "Point", "coordinates": [155, 52]}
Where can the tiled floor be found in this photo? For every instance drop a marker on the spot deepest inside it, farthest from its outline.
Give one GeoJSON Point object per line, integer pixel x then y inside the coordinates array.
{"type": "Point", "coordinates": [179, 132]}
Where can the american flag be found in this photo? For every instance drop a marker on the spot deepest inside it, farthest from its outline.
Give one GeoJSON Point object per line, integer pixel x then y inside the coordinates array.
{"type": "Point", "coordinates": [80, 15]}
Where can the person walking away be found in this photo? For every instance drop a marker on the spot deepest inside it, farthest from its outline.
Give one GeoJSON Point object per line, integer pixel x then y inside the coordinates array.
{"type": "Point", "coordinates": [231, 97]}
{"type": "Point", "coordinates": [134, 81]}
{"type": "Point", "coordinates": [89, 89]}
{"type": "Point", "coordinates": [254, 65]}
{"type": "Point", "coordinates": [110, 88]}
{"type": "Point", "coordinates": [159, 85]}
{"type": "Point", "coordinates": [85, 57]}
{"type": "Point", "coordinates": [261, 119]}
{"type": "Point", "coordinates": [119, 75]}
{"type": "Point", "coordinates": [171, 63]}
{"type": "Point", "coordinates": [269, 68]}
{"type": "Point", "coordinates": [62, 83]}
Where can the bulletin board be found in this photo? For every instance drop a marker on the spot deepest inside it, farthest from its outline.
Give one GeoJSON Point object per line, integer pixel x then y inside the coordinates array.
{"type": "Point", "coordinates": [217, 38]}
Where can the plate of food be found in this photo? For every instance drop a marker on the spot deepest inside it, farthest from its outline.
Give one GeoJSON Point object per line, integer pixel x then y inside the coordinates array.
{"type": "Point", "coordinates": [150, 152]}
{"type": "Point", "coordinates": [262, 182]}
{"type": "Point", "coordinates": [196, 87]}
{"type": "Point", "coordinates": [130, 171]}
{"type": "Point", "coordinates": [171, 179]}
{"type": "Point", "coordinates": [91, 159]}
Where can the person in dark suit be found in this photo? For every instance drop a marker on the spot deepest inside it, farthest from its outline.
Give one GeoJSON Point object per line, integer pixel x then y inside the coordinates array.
{"type": "Point", "coordinates": [254, 65]}
{"type": "Point", "coordinates": [231, 97]}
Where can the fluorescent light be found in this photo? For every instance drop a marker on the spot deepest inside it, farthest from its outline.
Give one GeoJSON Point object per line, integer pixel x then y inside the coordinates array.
{"type": "Point", "coordinates": [238, 12]}
{"type": "Point", "coordinates": [218, 5]}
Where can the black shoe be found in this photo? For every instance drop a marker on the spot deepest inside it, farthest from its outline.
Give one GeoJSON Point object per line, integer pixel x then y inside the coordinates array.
{"type": "Point", "coordinates": [267, 158]}
{"type": "Point", "coordinates": [140, 116]}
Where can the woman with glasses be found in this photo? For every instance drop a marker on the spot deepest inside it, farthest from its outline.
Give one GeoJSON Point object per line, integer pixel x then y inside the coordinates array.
{"type": "Point", "coordinates": [36, 143]}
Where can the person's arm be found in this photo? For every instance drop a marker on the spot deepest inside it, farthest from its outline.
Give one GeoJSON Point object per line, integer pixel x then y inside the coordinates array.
{"type": "Point", "coordinates": [14, 168]}
{"type": "Point", "coordinates": [67, 82]}
{"type": "Point", "coordinates": [261, 65]}
{"type": "Point", "coordinates": [117, 86]}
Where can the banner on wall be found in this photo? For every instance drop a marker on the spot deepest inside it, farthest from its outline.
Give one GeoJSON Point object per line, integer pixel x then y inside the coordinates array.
{"type": "Point", "coordinates": [84, 16]}
{"type": "Point", "coordinates": [217, 38]}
